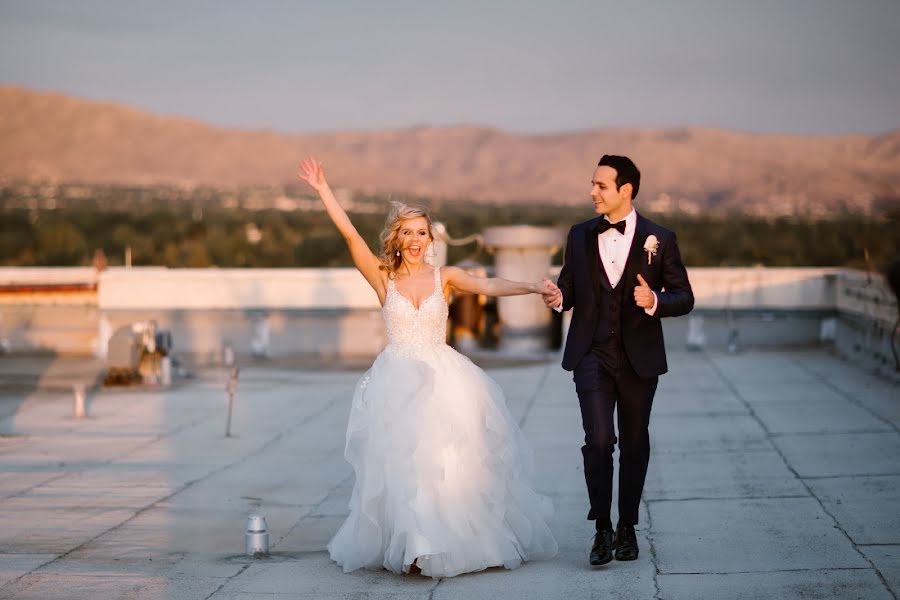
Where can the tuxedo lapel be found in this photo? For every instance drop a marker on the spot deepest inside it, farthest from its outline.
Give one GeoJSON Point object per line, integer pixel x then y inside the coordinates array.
{"type": "Point", "coordinates": [636, 253]}
{"type": "Point", "coordinates": [592, 252]}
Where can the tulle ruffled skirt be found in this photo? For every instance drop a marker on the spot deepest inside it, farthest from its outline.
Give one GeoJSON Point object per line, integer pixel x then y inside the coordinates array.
{"type": "Point", "coordinates": [442, 471]}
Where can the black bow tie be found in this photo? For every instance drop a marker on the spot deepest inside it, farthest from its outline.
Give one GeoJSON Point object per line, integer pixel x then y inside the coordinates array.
{"type": "Point", "coordinates": [604, 225]}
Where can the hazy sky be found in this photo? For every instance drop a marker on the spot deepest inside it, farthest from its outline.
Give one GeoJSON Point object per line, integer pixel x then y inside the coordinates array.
{"type": "Point", "coordinates": [797, 66]}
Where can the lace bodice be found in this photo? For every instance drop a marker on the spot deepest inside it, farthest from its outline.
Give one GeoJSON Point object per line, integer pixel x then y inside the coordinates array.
{"type": "Point", "coordinates": [408, 329]}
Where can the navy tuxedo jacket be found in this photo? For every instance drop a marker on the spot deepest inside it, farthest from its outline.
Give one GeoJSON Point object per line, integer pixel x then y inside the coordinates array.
{"type": "Point", "coordinates": [583, 278]}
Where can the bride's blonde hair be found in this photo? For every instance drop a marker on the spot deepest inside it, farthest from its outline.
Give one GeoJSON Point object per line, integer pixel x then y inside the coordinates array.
{"type": "Point", "coordinates": [390, 235]}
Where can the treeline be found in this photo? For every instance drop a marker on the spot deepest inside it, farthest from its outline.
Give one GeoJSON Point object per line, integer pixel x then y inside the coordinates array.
{"type": "Point", "coordinates": [208, 234]}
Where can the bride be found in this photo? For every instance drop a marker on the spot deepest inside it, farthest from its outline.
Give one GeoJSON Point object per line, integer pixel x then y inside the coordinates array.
{"type": "Point", "coordinates": [442, 468]}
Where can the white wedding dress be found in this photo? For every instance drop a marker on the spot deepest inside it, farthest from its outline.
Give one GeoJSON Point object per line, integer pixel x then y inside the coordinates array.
{"type": "Point", "coordinates": [442, 468]}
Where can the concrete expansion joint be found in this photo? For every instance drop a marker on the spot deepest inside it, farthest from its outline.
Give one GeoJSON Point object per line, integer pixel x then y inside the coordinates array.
{"type": "Point", "coordinates": [719, 473]}
{"type": "Point", "coordinates": [830, 432]}
{"type": "Point", "coordinates": [274, 440]}
{"type": "Point", "coordinates": [839, 391]}
{"type": "Point", "coordinates": [653, 558]}
{"type": "Point", "coordinates": [311, 514]}
{"type": "Point", "coordinates": [803, 482]}
{"type": "Point", "coordinates": [854, 476]}
{"type": "Point", "coordinates": [816, 570]}
{"type": "Point", "coordinates": [117, 526]}
{"type": "Point", "coordinates": [717, 498]}
{"type": "Point", "coordinates": [879, 545]}
{"type": "Point", "coordinates": [228, 580]}
{"type": "Point", "coordinates": [109, 461]}
{"type": "Point", "coordinates": [181, 489]}
{"type": "Point", "coordinates": [434, 587]}
{"type": "Point", "coordinates": [33, 487]}
{"type": "Point", "coordinates": [837, 526]}
{"type": "Point", "coordinates": [537, 389]}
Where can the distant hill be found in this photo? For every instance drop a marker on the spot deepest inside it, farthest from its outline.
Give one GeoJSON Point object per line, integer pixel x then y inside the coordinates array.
{"type": "Point", "coordinates": [56, 137]}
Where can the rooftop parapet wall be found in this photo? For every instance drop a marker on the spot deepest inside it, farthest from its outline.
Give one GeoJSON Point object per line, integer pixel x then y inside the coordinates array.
{"type": "Point", "coordinates": [759, 288]}
{"type": "Point", "coordinates": [235, 289]}
{"type": "Point", "coordinates": [714, 288]}
{"type": "Point", "coordinates": [863, 304]}
{"type": "Point", "coordinates": [865, 295]}
{"type": "Point", "coordinates": [753, 288]}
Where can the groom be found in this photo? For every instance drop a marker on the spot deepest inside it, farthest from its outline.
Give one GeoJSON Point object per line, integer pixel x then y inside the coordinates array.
{"type": "Point", "coordinates": [622, 274]}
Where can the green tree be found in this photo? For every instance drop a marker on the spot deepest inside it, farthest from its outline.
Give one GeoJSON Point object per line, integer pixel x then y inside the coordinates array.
{"type": "Point", "coordinates": [60, 244]}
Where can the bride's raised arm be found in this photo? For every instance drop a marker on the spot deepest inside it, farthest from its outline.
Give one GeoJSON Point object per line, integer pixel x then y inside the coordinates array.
{"type": "Point", "coordinates": [310, 171]}
{"type": "Point", "coordinates": [461, 280]}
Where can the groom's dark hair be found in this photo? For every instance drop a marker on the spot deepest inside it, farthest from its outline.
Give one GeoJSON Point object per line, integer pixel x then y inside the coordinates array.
{"type": "Point", "coordinates": [626, 171]}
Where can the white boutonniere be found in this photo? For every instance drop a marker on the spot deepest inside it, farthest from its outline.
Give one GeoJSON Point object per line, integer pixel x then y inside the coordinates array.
{"type": "Point", "coordinates": [651, 246]}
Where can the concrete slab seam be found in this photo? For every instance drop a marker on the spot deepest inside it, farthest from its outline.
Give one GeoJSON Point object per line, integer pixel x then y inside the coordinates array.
{"type": "Point", "coordinates": [227, 580]}
{"type": "Point", "coordinates": [35, 486]}
{"type": "Point", "coordinates": [815, 433]}
{"type": "Point", "coordinates": [312, 511]}
{"type": "Point", "coordinates": [727, 382]}
{"type": "Point", "coordinates": [141, 446]}
{"type": "Point", "coordinates": [537, 389]}
{"type": "Point", "coordinates": [863, 476]}
{"type": "Point", "coordinates": [183, 488]}
{"type": "Point", "coordinates": [653, 558]}
{"type": "Point", "coordinates": [717, 498]}
{"type": "Point", "coordinates": [432, 590]}
{"type": "Point", "coordinates": [827, 383]}
{"type": "Point", "coordinates": [816, 570]}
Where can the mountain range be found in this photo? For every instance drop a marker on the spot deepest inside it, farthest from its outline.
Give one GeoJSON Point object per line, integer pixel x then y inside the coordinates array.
{"type": "Point", "coordinates": [48, 136]}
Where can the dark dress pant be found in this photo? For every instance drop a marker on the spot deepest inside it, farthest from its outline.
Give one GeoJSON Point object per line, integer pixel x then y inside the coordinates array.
{"type": "Point", "coordinates": [607, 384]}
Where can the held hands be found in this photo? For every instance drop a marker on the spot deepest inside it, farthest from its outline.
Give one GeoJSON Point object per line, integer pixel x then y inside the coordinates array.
{"type": "Point", "coordinates": [551, 294]}
{"type": "Point", "coordinates": [310, 171]}
{"type": "Point", "coordinates": [643, 295]}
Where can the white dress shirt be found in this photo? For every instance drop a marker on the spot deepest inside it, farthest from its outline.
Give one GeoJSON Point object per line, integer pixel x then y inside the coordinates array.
{"type": "Point", "coordinates": [614, 248]}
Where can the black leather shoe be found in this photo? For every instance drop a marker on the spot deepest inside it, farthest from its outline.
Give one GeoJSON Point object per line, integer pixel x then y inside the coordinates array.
{"type": "Point", "coordinates": [625, 543]}
{"type": "Point", "coordinates": [602, 550]}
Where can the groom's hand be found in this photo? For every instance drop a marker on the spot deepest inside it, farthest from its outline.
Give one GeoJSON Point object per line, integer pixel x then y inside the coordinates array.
{"type": "Point", "coordinates": [643, 295]}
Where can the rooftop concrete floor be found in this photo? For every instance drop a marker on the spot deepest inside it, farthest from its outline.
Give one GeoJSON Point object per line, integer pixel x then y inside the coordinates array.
{"type": "Point", "coordinates": [773, 475]}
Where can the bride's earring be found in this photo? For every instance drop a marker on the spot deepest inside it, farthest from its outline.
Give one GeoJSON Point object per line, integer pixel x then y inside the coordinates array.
{"type": "Point", "coordinates": [398, 253]}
